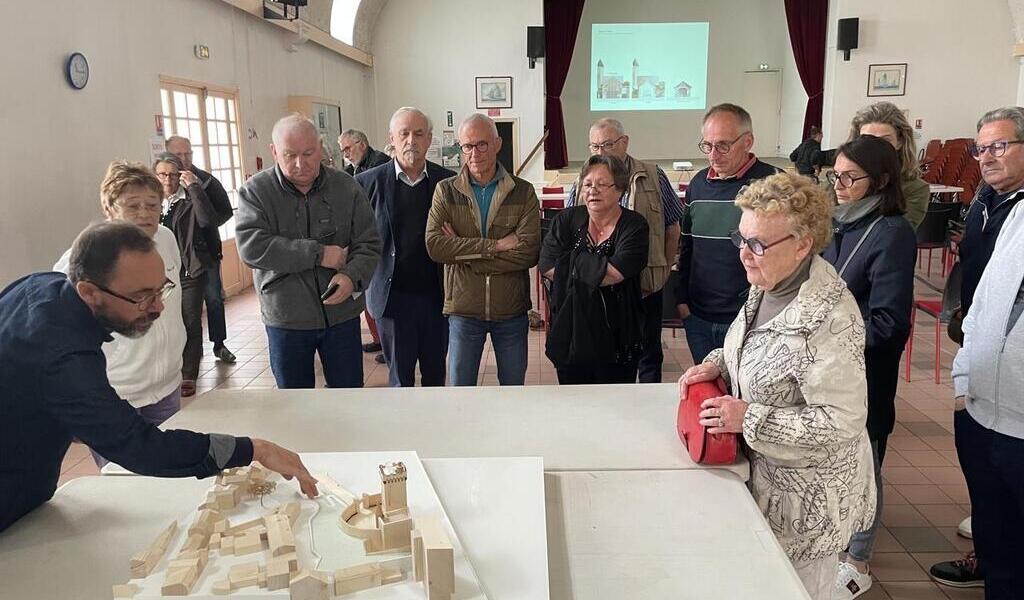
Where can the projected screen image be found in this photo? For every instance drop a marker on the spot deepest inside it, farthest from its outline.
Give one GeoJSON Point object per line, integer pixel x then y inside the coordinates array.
{"type": "Point", "coordinates": [649, 66]}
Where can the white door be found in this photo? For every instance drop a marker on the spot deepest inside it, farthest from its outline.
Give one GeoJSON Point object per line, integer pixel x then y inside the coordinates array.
{"type": "Point", "coordinates": [762, 97]}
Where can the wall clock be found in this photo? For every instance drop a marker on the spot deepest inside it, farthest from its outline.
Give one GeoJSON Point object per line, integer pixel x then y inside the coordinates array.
{"type": "Point", "coordinates": [77, 70]}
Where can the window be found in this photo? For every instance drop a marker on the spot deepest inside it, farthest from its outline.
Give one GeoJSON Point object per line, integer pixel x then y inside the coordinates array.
{"type": "Point", "coordinates": [209, 119]}
{"type": "Point", "coordinates": [343, 19]}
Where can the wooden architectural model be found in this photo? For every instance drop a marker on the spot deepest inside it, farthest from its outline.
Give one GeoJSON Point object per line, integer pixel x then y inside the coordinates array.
{"type": "Point", "coordinates": [142, 562]}
{"type": "Point", "coordinates": [433, 559]}
{"type": "Point", "coordinates": [382, 520]}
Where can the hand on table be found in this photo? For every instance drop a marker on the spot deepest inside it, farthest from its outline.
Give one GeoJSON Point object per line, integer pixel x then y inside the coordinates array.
{"type": "Point", "coordinates": [284, 461]}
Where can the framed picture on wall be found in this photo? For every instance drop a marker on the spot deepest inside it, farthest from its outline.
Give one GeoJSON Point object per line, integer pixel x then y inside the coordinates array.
{"type": "Point", "coordinates": [887, 80]}
{"type": "Point", "coordinates": [494, 92]}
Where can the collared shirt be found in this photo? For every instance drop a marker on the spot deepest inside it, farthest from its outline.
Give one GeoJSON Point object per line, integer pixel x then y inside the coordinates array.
{"type": "Point", "coordinates": [484, 193]}
{"type": "Point", "coordinates": [672, 207]}
{"type": "Point", "coordinates": [712, 174]}
{"type": "Point", "coordinates": [401, 175]}
{"type": "Point", "coordinates": [172, 199]}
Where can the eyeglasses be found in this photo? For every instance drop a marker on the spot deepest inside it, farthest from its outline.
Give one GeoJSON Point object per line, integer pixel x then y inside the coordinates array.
{"type": "Point", "coordinates": [755, 245]}
{"type": "Point", "coordinates": [595, 148]}
{"type": "Point", "coordinates": [845, 178]}
{"type": "Point", "coordinates": [996, 149]}
{"type": "Point", "coordinates": [480, 147]}
{"type": "Point", "coordinates": [145, 302]}
{"type": "Point", "coordinates": [168, 175]}
{"type": "Point", "coordinates": [139, 208]}
{"type": "Point", "coordinates": [721, 147]}
{"type": "Point", "coordinates": [592, 188]}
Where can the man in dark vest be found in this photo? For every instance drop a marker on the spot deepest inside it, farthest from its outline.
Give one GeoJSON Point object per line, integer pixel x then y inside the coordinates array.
{"type": "Point", "coordinates": [651, 194]}
{"type": "Point", "coordinates": [406, 294]}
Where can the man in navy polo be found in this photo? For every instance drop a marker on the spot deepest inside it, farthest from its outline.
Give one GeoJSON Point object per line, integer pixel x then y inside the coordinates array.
{"type": "Point", "coordinates": [53, 380]}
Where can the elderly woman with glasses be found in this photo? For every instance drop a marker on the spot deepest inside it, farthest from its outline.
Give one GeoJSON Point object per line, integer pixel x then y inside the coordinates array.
{"type": "Point", "coordinates": [793, 361]}
{"type": "Point", "coordinates": [874, 249]}
{"type": "Point", "coordinates": [187, 210]}
{"type": "Point", "coordinates": [145, 370]}
{"type": "Point", "coordinates": [594, 254]}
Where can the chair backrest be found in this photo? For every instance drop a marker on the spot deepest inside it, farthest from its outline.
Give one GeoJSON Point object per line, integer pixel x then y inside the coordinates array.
{"type": "Point", "coordinates": [951, 293]}
{"type": "Point", "coordinates": [935, 225]}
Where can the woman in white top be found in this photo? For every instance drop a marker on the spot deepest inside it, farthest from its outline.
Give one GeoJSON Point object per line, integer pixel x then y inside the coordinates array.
{"type": "Point", "coordinates": [145, 371]}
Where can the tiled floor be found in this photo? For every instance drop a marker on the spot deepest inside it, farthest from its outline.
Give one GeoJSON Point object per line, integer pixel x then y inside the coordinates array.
{"type": "Point", "coordinates": [925, 494]}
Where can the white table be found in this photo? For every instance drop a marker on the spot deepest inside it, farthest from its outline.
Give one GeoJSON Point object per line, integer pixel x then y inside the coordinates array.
{"type": "Point", "coordinates": [582, 428]}
{"type": "Point", "coordinates": [611, 535]}
{"type": "Point", "coordinates": [77, 545]}
{"type": "Point", "coordinates": [936, 188]}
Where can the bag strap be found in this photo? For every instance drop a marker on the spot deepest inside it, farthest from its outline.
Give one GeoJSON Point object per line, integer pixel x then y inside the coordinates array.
{"type": "Point", "coordinates": [860, 243]}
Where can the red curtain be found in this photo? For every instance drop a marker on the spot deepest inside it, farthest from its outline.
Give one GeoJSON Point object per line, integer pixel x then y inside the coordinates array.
{"type": "Point", "coordinates": [808, 23]}
{"type": "Point", "coordinates": [561, 23]}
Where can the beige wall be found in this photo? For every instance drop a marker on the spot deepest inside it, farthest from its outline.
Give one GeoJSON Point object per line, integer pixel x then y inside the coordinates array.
{"type": "Point", "coordinates": [57, 141]}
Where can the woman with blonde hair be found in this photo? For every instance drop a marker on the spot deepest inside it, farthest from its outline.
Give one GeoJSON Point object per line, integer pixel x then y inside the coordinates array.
{"type": "Point", "coordinates": [887, 121]}
{"type": "Point", "coordinates": [793, 361]}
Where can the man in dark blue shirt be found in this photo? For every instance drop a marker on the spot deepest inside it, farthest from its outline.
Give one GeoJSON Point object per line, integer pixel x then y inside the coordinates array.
{"type": "Point", "coordinates": [53, 381]}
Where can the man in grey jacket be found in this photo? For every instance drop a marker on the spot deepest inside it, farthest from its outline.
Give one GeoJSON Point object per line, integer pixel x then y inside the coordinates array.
{"type": "Point", "coordinates": [989, 417]}
{"type": "Point", "coordinates": [310, 236]}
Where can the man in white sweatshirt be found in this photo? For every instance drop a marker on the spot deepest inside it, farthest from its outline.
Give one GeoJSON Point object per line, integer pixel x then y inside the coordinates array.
{"type": "Point", "coordinates": [988, 376]}
{"type": "Point", "coordinates": [145, 371]}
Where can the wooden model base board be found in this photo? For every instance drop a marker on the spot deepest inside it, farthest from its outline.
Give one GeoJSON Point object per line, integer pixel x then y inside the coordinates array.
{"type": "Point", "coordinates": [319, 544]}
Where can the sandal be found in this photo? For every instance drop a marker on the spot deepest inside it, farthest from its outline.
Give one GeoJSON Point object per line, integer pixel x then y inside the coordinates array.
{"type": "Point", "coordinates": [188, 388]}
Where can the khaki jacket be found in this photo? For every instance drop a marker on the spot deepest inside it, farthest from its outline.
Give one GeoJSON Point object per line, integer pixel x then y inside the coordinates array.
{"type": "Point", "coordinates": [802, 372]}
{"type": "Point", "coordinates": [478, 281]}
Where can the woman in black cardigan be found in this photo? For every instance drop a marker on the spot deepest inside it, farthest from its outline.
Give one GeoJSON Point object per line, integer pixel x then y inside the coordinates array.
{"type": "Point", "coordinates": [873, 249]}
{"type": "Point", "coordinates": [594, 254]}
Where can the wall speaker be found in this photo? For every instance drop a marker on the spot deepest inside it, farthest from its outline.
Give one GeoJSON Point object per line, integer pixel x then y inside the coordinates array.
{"type": "Point", "coordinates": [534, 44]}
{"type": "Point", "coordinates": [847, 38]}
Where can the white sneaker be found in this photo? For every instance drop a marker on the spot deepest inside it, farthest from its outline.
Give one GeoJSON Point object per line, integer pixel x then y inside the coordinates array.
{"type": "Point", "coordinates": [850, 582]}
{"type": "Point", "coordinates": [964, 529]}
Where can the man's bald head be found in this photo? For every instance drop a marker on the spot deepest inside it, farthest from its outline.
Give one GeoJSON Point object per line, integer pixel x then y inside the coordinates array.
{"type": "Point", "coordinates": [180, 147]}
{"type": "Point", "coordinates": [293, 125]}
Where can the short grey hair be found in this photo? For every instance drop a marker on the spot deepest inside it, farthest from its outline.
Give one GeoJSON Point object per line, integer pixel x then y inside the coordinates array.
{"type": "Point", "coordinates": [1006, 113]}
{"type": "Point", "coordinates": [413, 110]}
{"type": "Point", "coordinates": [609, 123]}
{"type": "Point", "coordinates": [177, 138]}
{"type": "Point", "coordinates": [355, 135]}
{"type": "Point", "coordinates": [741, 114]}
{"type": "Point", "coordinates": [480, 118]}
{"type": "Point", "coordinates": [167, 157]}
{"type": "Point", "coordinates": [292, 123]}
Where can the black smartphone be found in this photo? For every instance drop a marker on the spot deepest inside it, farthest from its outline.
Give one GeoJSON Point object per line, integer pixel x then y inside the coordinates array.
{"type": "Point", "coordinates": [330, 290]}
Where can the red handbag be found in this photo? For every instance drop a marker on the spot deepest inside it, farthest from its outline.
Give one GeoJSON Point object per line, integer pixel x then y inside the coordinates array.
{"type": "Point", "coordinates": [705, 448]}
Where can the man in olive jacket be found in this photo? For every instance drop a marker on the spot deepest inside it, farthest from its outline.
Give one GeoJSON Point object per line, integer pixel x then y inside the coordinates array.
{"type": "Point", "coordinates": [310, 236]}
{"type": "Point", "coordinates": [484, 226]}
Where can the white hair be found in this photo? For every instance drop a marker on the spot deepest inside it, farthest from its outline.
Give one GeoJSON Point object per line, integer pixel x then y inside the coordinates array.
{"type": "Point", "coordinates": [293, 123]}
{"type": "Point", "coordinates": [413, 110]}
{"type": "Point", "coordinates": [480, 118]}
{"type": "Point", "coordinates": [177, 138]}
{"type": "Point", "coordinates": [355, 135]}
{"type": "Point", "coordinates": [609, 123]}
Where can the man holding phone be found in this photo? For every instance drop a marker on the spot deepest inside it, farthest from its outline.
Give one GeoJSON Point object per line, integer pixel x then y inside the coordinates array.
{"type": "Point", "coordinates": [309, 235]}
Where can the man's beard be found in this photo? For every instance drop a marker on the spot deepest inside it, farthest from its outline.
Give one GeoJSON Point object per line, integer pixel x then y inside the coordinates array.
{"type": "Point", "coordinates": [129, 329]}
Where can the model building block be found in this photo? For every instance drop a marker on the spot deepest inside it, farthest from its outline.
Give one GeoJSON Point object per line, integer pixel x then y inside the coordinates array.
{"type": "Point", "coordinates": [125, 590]}
{"type": "Point", "coordinates": [393, 479]}
{"type": "Point", "coordinates": [363, 577]}
{"type": "Point", "coordinates": [290, 509]}
{"type": "Point", "coordinates": [144, 561]}
{"type": "Point", "coordinates": [227, 545]}
{"type": "Point", "coordinates": [279, 574]}
{"type": "Point", "coordinates": [279, 535]}
{"type": "Point", "coordinates": [244, 575]}
{"type": "Point", "coordinates": [196, 541]}
{"type": "Point", "coordinates": [433, 559]}
{"type": "Point", "coordinates": [183, 572]}
{"type": "Point", "coordinates": [248, 543]}
{"type": "Point", "coordinates": [309, 585]}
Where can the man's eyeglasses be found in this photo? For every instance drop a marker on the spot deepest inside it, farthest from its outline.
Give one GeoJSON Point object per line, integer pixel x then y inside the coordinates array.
{"type": "Point", "coordinates": [755, 245]}
{"type": "Point", "coordinates": [138, 208]}
{"type": "Point", "coordinates": [480, 147]}
{"type": "Point", "coordinates": [168, 175]}
{"type": "Point", "coordinates": [145, 302]}
{"type": "Point", "coordinates": [595, 148]}
{"type": "Point", "coordinates": [844, 178]}
{"type": "Point", "coordinates": [996, 149]}
{"type": "Point", "coordinates": [721, 147]}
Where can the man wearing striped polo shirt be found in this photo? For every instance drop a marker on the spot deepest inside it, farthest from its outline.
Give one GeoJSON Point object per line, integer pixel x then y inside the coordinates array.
{"type": "Point", "coordinates": [712, 284]}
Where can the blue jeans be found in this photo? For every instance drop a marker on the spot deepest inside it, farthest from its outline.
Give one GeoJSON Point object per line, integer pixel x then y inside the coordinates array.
{"type": "Point", "coordinates": [862, 543]}
{"type": "Point", "coordinates": [339, 347]}
{"type": "Point", "coordinates": [703, 336]}
{"type": "Point", "coordinates": [155, 413]}
{"type": "Point", "coordinates": [466, 338]}
{"type": "Point", "coordinates": [213, 295]}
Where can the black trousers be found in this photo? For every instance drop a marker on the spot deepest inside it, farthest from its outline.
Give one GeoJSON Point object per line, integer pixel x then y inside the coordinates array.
{"type": "Point", "coordinates": [580, 374]}
{"type": "Point", "coordinates": [650, 363]}
{"type": "Point", "coordinates": [413, 329]}
{"type": "Point", "coordinates": [192, 291]}
{"type": "Point", "coordinates": [993, 465]}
